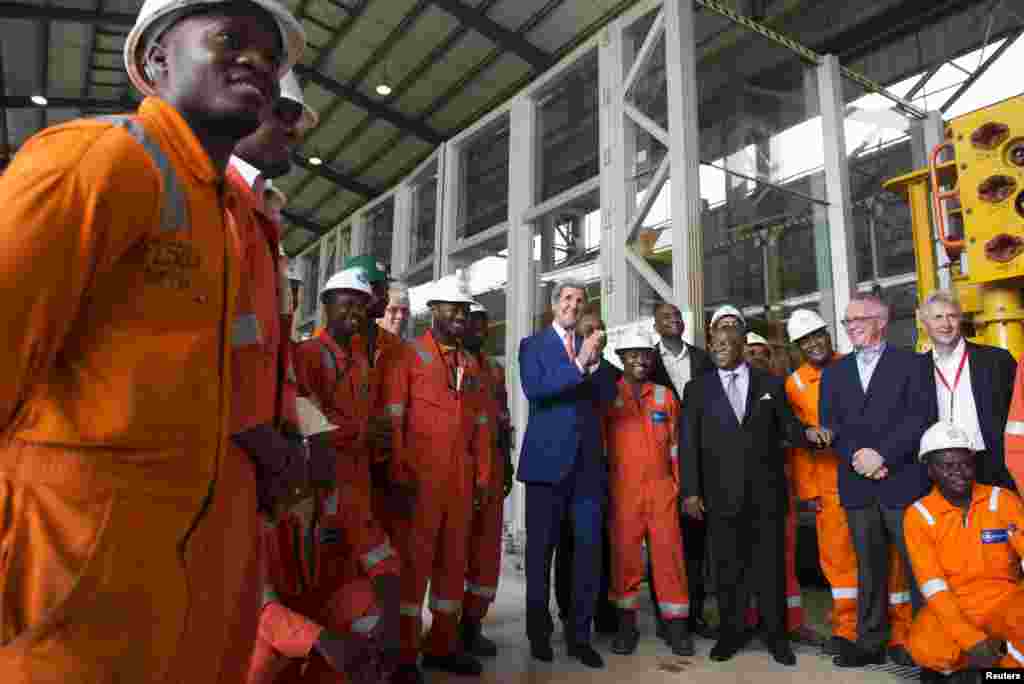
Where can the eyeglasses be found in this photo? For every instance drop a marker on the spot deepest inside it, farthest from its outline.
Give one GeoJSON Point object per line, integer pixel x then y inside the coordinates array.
{"type": "Point", "coordinates": [861, 319]}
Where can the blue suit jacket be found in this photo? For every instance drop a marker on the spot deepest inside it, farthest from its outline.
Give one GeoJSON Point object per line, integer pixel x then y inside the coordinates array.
{"type": "Point", "coordinates": [890, 418]}
{"type": "Point", "coordinates": [564, 408]}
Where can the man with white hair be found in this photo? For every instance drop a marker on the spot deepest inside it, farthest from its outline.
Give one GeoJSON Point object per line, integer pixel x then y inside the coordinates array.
{"type": "Point", "coordinates": [972, 384]}
{"type": "Point", "coordinates": [116, 400]}
{"type": "Point", "coordinates": [396, 314]}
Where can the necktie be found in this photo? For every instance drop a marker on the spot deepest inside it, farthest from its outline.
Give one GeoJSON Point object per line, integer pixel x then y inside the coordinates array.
{"type": "Point", "coordinates": [569, 345]}
{"type": "Point", "coordinates": [732, 391]}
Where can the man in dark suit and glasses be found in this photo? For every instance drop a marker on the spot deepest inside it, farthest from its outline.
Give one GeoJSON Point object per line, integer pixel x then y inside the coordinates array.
{"type": "Point", "coordinates": [972, 385]}
{"type": "Point", "coordinates": [562, 467]}
{"type": "Point", "coordinates": [733, 472]}
{"type": "Point", "coordinates": [876, 404]}
{"type": "Point", "coordinates": [676, 363]}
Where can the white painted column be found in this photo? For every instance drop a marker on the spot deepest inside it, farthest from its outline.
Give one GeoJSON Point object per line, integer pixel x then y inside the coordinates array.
{"type": "Point", "coordinates": [615, 272]}
{"type": "Point", "coordinates": [359, 234]}
{"type": "Point", "coordinates": [449, 187]}
{"type": "Point", "coordinates": [684, 153]}
{"type": "Point", "coordinates": [837, 186]}
{"type": "Point", "coordinates": [522, 285]}
{"type": "Point", "coordinates": [401, 235]}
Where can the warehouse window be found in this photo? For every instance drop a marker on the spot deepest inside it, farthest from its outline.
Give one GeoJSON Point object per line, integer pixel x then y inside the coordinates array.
{"type": "Point", "coordinates": [568, 130]}
{"type": "Point", "coordinates": [484, 181]}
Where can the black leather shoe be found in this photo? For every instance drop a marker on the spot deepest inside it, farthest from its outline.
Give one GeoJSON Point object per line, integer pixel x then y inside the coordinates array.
{"type": "Point", "coordinates": [541, 650]}
{"type": "Point", "coordinates": [679, 638]}
{"type": "Point", "coordinates": [852, 655]}
{"type": "Point", "coordinates": [726, 647]}
{"type": "Point", "coordinates": [834, 646]}
{"type": "Point", "coordinates": [407, 674]}
{"type": "Point", "coordinates": [475, 642]}
{"type": "Point", "coordinates": [782, 652]}
{"type": "Point", "coordinates": [456, 663]}
{"type": "Point", "coordinates": [586, 654]}
{"type": "Point", "coordinates": [900, 656]}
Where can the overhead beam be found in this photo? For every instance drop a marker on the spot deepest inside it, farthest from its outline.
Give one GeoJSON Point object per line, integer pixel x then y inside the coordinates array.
{"type": "Point", "coordinates": [25, 102]}
{"type": "Point", "coordinates": [980, 71]}
{"type": "Point", "coordinates": [336, 177]}
{"type": "Point", "coordinates": [16, 10]}
{"type": "Point", "coordinates": [303, 222]}
{"type": "Point", "coordinates": [508, 40]}
{"type": "Point", "coordinates": [392, 116]}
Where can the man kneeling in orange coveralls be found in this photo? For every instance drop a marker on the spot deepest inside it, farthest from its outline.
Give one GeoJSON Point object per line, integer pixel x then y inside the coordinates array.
{"type": "Point", "coordinates": [966, 543]}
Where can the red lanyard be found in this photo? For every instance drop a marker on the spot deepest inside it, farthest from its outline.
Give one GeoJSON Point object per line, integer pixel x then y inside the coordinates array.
{"type": "Point", "coordinates": [956, 380]}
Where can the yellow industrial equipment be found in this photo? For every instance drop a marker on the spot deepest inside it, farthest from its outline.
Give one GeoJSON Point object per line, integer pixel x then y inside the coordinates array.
{"type": "Point", "coordinates": [973, 188]}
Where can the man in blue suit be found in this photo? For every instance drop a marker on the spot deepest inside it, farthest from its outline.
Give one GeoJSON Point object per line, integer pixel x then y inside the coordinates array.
{"type": "Point", "coordinates": [561, 465]}
{"type": "Point", "coordinates": [876, 404]}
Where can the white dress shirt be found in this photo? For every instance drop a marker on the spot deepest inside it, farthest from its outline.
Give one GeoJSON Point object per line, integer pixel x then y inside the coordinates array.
{"type": "Point", "coordinates": [958, 407]}
{"type": "Point", "coordinates": [867, 361]}
{"type": "Point", "coordinates": [677, 366]}
{"type": "Point", "coordinates": [742, 372]}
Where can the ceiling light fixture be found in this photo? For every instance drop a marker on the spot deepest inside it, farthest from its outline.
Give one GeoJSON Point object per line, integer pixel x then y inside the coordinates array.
{"type": "Point", "coordinates": [384, 83]}
{"type": "Point", "coordinates": [39, 100]}
{"type": "Point", "coordinates": [383, 89]}
{"type": "Point", "coordinates": [316, 161]}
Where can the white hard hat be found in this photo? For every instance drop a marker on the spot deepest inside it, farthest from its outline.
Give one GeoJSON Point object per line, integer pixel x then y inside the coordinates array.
{"type": "Point", "coordinates": [477, 307]}
{"type": "Point", "coordinates": [291, 90]}
{"type": "Point", "coordinates": [803, 322]}
{"type": "Point", "coordinates": [349, 279]}
{"type": "Point", "coordinates": [943, 435]}
{"type": "Point", "coordinates": [637, 339]}
{"type": "Point", "coordinates": [452, 290]}
{"type": "Point", "coordinates": [727, 310]}
{"type": "Point", "coordinates": [293, 37]}
{"type": "Point", "coordinates": [754, 338]}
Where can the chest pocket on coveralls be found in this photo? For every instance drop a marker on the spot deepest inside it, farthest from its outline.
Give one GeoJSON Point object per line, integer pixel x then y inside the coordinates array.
{"type": "Point", "coordinates": [660, 418]}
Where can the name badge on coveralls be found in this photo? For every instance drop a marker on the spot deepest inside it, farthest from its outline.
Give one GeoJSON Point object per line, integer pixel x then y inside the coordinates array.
{"type": "Point", "coordinates": [995, 536]}
{"type": "Point", "coordinates": [658, 416]}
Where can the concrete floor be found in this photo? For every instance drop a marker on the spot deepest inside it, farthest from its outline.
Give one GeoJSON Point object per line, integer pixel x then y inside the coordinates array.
{"type": "Point", "coordinates": [653, 662]}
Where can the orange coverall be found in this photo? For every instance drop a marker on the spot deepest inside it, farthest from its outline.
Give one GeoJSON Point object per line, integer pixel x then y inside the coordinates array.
{"type": "Point", "coordinates": [442, 448]}
{"type": "Point", "coordinates": [483, 566]}
{"type": "Point", "coordinates": [1015, 430]}
{"type": "Point", "coordinates": [816, 476]}
{"type": "Point", "coordinates": [643, 478]}
{"type": "Point", "coordinates": [314, 583]}
{"type": "Point", "coordinates": [120, 284]}
{"type": "Point", "coordinates": [969, 570]}
{"type": "Point", "coordinates": [339, 381]}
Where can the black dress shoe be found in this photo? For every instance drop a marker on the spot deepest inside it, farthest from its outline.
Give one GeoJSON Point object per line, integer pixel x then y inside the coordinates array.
{"type": "Point", "coordinates": [473, 640]}
{"type": "Point", "coordinates": [456, 663]}
{"type": "Point", "coordinates": [900, 656]}
{"type": "Point", "coordinates": [834, 646]}
{"type": "Point", "coordinates": [541, 650]}
{"type": "Point", "coordinates": [586, 654]}
{"type": "Point", "coordinates": [852, 655]}
{"type": "Point", "coordinates": [782, 652]}
{"type": "Point", "coordinates": [726, 647]}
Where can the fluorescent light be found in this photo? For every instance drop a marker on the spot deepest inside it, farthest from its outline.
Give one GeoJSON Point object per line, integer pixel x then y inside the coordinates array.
{"type": "Point", "coordinates": [383, 89]}
{"type": "Point", "coordinates": [316, 161]}
{"type": "Point", "coordinates": [39, 100]}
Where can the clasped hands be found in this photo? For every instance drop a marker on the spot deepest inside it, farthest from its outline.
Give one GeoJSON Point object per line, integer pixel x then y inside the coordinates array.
{"type": "Point", "coordinates": [870, 464]}
{"type": "Point", "coordinates": [592, 349]}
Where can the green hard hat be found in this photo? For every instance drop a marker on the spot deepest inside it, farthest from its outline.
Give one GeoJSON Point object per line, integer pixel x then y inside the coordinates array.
{"type": "Point", "coordinates": [375, 271]}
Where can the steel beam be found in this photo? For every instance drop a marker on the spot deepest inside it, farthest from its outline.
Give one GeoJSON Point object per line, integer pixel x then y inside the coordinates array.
{"type": "Point", "coordinates": [303, 222]}
{"type": "Point", "coordinates": [16, 10]}
{"type": "Point", "coordinates": [25, 102]}
{"type": "Point", "coordinates": [392, 116]}
{"type": "Point", "coordinates": [336, 177]}
{"type": "Point", "coordinates": [979, 72]}
{"type": "Point", "coordinates": [506, 39]}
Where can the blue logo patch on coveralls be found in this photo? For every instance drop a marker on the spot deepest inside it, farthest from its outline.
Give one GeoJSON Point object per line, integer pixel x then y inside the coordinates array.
{"type": "Point", "coordinates": [659, 416]}
{"type": "Point", "coordinates": [995, 536]}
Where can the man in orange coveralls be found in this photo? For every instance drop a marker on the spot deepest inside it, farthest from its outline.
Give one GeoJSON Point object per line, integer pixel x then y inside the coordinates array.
{"type": "Point", "coordinates": [336, 378]}
{"type": "Point", "coordinates": [484, 556]}
{"type": "Point", "coordinates": [966, 542]}
{"type": "Point", "coordinates": [1015, 431]}
{"type": "Point", "coordinates": [816, 482]}
{"type": "Point", "coordinates": [116, 404]}
{"type": "Point", "coordinates": [442, 452]}
{"type": "Point", "coordinates": [641, 429]}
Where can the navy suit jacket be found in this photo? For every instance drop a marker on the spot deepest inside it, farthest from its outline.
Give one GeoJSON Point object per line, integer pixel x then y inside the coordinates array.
{"type": "Point", "coordinates": [993, 371]}
{"type": "Point", "coordinates": [890, 418]}
{"type": "Point", "coordinates": [565, 408]}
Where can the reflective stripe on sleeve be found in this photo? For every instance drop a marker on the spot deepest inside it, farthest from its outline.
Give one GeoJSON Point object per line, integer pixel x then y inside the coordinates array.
{"type": "Point", "coordinates": [799, 382]}
{"type": "Point", "coordinates": [897, 598]}
{"type": "Point", "coordinates": [1015, 427]}
{"type": "Point", "coordinates": [933, 587]}
{"type": "Point", "coordinates": [1012, 650]}
{"type": "Point", "coordinates": [793, 602]}
{"type": "Point", "coordinates": [395, 410]}
{"type": "Point", "coordinates": [993, 500]}
{"type": "Point", "coordinates": [674, 452]}
{"type": "Point", "coordinates": [659, 395]}
{"type": "Point", "coordinates": [365, 624]}
{"type": "Point", "coordinates": [844, 593]}
{"type": "Point", "coordinates": [924, 512]}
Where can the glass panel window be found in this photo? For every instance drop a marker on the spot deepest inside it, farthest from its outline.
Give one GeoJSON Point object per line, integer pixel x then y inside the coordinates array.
{"type": "Point", "coordinates": [484, 181]}
{"type": "Point", "coordinates": [311, 282]}
{"type": "Point", "coordinates": [424, 227]}
{"type": "Point", "coordinates": [380, 228]}
{"type": "Point", "coordinates": [330, 254]}
{"type": "Point", "coordinates": [568, 130]}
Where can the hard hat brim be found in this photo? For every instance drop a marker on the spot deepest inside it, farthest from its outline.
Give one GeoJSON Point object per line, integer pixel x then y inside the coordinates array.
{"type": "Point", "coordinates": [811, 332]}
{"type": "Point", "coordinates": [293, 37]}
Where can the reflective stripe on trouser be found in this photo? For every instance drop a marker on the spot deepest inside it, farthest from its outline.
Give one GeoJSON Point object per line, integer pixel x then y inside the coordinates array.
{"type": "Point", "coordinates": [432, 546]}
{"type": "Point", "coordinates": [653, 516]}
{"type": "Point", "coordinates": [83, 576]}
{"type": "Point", "coordinates": [483, 563]}
{"type": "Point", "coordinates": [932, 647]}
{"type": "Point", "coordinates": [794, 604]}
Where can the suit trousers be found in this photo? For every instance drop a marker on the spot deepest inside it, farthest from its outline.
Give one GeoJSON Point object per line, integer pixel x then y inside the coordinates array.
{"type": "Point", "coordinates": [581, 497]}
{"type": "Point", "coordinates": [748, 556]}
{"type": "Point", "coordinates": [605, 614]}
{"type": "Point", "coordinates": [872, 529]}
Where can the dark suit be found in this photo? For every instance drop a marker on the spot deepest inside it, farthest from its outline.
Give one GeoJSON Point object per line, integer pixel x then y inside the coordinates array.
{"type": "Point", "coordinates": [889, 418]}
{"type": "Point", "coordinates": [694, 531]}
{"type": "Point", "coordinates": [992, 373]}
{"type": "Point", "coordinates": [739, 471]}
{"type": "Point", "coordinates": [565, 476]}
